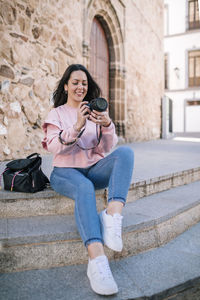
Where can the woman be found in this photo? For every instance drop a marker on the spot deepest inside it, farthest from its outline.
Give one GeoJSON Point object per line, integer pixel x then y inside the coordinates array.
{"type": "Point", "coordinates": [79, 138]}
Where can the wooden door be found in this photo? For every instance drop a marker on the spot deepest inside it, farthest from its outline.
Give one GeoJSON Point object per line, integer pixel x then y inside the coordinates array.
{"type": "Point", "coordinates": [99, 57]}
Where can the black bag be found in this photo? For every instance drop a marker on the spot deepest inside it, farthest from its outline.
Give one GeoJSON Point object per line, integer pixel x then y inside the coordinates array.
{"type": "Point", "coordinates": [25, 175]}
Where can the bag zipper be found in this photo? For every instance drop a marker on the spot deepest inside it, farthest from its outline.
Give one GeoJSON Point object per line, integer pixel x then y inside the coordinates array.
{"type": "Point", "coordinates": [12, 185]}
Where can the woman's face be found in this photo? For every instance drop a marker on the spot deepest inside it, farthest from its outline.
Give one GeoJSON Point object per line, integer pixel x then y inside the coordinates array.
{"type": "Point", "coordinates": [76, 87]}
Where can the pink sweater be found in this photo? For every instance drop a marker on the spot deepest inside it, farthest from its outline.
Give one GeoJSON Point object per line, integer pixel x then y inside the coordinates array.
{"type": "Point", "coordinates": [63, 118]}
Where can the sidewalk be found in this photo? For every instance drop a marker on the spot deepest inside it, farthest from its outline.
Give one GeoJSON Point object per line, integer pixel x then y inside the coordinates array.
{"type": "Point", "coordinates": [157, 158]}
{"type": "Point", "coordinates": [162, 157]}
{"type": "Point", "coordinates": [153, 158]}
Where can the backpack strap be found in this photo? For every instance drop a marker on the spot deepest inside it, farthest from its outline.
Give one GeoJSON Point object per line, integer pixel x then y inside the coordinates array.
{"type": "Point", "coordinates": [1, 177]}
{"type": "Point", "coordinates": [33, 154]}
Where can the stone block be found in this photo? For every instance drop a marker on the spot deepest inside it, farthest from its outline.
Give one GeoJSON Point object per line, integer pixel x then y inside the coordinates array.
{"type": "Point", "coordinates": [8, 13]}
{"type": "Point", "coordinates": [27, 81]}
{"type": "Point", "coordinates": [6, 71]}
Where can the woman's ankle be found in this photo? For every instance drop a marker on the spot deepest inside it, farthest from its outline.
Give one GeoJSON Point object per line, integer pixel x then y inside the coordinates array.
{"type": "Point", "coordinates": [95, 249]}
{"type": "Point", "coordinates": [114, 207]}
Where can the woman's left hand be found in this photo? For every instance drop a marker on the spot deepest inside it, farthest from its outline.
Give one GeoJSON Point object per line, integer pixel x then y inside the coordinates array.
{"type": "Point", "coordinates": [101, 118]}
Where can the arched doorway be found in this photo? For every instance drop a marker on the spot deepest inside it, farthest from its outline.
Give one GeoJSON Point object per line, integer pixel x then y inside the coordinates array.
{"type": "Point", "coordinates": [104, 16]}
{"type": "Point", "coordinates": [99, 57]}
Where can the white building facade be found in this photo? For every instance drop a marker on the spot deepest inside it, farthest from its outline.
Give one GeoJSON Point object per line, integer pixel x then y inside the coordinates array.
{"type": "Point", "coordinates": [182, 63]}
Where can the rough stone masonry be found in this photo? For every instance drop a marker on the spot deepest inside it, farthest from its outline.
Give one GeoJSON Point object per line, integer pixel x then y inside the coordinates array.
{"type": "Point", "coordinates": [40, 38]}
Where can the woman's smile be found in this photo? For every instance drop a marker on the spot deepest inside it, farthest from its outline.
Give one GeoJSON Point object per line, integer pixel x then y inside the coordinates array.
{"type": "Point", "coordinates": [79, 93]}
{"type": "Point", "coordinates": [76, 88]}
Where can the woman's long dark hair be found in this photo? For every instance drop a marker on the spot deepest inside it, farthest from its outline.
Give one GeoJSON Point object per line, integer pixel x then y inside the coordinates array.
{"type": "Point", "coordinates": [59, 95]}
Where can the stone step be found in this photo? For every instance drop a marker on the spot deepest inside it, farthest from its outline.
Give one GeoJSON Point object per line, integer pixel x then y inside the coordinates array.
{"type": "Point", "coordinates": [50, 241]}
{"type": "Point", "coordinates": [48, 202]}
{"type": "Point", "coordinates": [168, 272]}
{"type": "Point", "coordinates": [44, 203]}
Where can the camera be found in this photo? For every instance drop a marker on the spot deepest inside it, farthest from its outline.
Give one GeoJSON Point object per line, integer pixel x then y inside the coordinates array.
{"type": "Point", "coordinates": [98, 104]}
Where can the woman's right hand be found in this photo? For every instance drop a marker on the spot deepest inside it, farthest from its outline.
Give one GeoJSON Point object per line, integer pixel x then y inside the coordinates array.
{"type": "Point", "coordinates": [82, 114]}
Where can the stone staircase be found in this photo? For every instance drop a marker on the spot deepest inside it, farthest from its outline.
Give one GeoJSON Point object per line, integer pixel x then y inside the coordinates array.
{"type": "Point", "coordinates": [38, 230]}
{"type": "Point", "coordinates": [42, 256]}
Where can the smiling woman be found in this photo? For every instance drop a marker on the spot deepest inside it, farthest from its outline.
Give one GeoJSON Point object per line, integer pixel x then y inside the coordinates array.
{"type": "Point", "coordinates": [79, 138]}
{"type": "Point", "coordinates": [60, 97]}
{"type": "Point", "coordinates": [76, 88]}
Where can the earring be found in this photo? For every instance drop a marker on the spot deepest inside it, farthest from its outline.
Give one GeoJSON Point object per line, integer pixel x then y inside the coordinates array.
{"type": "Point", "coordinates": [65, 92]}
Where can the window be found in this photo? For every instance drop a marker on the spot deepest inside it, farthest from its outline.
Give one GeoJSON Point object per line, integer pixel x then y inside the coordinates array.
{"type": "Point", "coordinates": [194, 68]}
{"type": "Point", "coordinates": [166, 71]}
{"type": "Point", "coordinates": [193, 14]}
{"type": "Point", "coordinates": [195, 102]}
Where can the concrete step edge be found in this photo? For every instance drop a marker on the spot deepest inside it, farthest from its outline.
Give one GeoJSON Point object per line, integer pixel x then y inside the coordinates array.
{"type": "Point", "coordinates": [154, 185]}
{"type": "Point", "coordinates": [168, 272]}
{"type": "Point", "coordinates": [193, 173]}
{"type": "Point", "coordinates": [43, 205]}
{"type": "Point", "coordinates": [137, 216]}
{"type": "Point", "coordinates": [65, 252]}
{"type": "Point", "coordinates": [72, 252]}
{"type": "Point", "coordinates": [73, 235]}
{"type": "Point", "coordinates": [48, 202]}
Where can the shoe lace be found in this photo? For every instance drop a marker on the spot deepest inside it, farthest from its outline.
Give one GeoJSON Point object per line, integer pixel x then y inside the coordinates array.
{"type": "Point", "coordinates": [117, 228]}
{"type": "Point", "coordinates": [104, 269]}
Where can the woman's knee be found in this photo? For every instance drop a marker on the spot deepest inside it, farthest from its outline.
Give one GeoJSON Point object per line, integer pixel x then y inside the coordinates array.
{"type": "Point", "coordinates": [85, 187]}
{"type": "Point", "coordinates": [125, 152]}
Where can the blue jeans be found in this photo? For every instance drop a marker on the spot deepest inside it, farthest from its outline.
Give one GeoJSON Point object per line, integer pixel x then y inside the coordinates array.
{"type": "Point", "coordinates": [114, 171]}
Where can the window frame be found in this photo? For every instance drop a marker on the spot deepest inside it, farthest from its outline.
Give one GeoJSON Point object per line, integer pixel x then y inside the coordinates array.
{"type": "Point", "coordinates": [194, 78]}
{"type": "Point", "coordinates": [166, 71]}
{"type": "Point", "coordinates": [195, 23]}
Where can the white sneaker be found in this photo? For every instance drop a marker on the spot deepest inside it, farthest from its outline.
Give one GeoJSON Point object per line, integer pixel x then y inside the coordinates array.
{"type": "Point", "coordinates": [112, 230]}
{"type": "Point", "coordinates": [100, 276]}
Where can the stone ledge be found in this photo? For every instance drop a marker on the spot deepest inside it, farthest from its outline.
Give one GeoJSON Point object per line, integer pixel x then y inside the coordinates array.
{"type": "Point", "coordinates": [154, 185]}
{"type": "Point", "coordinates": [56, 253]}
{"type": "Point", "coordinates": [62, 228]}
{"type": "Point", "coordinates": [170, 180]}
{"type": "Point", "coordinates": [48, 244]}
{"type": "Point", "coordinates": [168, 272]}
{"type": "Point", "coordinates": [8, 196]}
{"type": "Point", "coordinates": [48, 202]}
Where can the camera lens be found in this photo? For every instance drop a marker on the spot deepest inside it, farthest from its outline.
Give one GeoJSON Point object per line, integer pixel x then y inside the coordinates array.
{"type": "Point", "coordinates": [99, 104]}
{"type": "Point", "coordinates": [102, 104]}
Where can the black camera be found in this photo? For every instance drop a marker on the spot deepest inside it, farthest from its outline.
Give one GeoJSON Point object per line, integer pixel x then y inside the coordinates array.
{"type": "Point", "coordinates": [98, 104]}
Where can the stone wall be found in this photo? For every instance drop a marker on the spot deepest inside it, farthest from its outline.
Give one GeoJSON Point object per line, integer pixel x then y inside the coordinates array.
{"type": "Point", "coordinates": [40, 38]}
{"type": "Point", "coordinates": [144, 69]}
